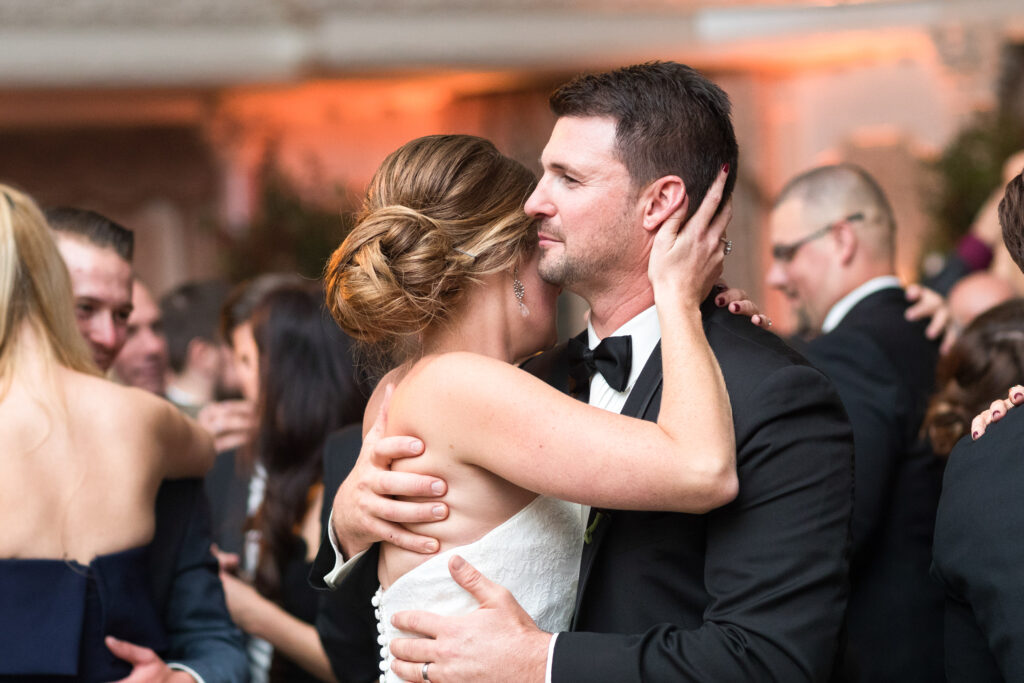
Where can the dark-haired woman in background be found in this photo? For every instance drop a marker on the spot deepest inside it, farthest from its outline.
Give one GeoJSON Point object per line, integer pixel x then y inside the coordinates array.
{"type": "Point", "coordinates": [983, 362]}
{"type": "Point", "coordinates": [296, 365]}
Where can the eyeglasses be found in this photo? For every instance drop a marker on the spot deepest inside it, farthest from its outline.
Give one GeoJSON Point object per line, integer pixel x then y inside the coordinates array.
{"type": "Point", "coordinates": [787, 252]}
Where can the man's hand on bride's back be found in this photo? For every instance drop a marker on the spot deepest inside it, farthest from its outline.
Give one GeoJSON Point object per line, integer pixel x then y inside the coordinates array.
{"type": "Point", "coordinates": [365, 507]}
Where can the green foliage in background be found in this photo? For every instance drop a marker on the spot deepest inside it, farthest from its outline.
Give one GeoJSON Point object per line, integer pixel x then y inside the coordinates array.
{"type": "Point", "coordinates": [969, 170]}
{"type": "Point", "coordinates": [289, 233]}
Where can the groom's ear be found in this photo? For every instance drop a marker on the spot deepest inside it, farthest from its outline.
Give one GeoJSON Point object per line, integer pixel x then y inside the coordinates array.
{"type": "Point", "coordinates": [660, 199]}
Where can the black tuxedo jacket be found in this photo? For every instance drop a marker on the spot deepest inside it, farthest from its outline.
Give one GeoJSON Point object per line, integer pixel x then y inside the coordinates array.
{"type": "Point", "coordinates": [979, 555]}
{"type": "Point", "coordinates": [884, 370]}
{"type": "Point", "coordinates": [187, 589]}
{"type": "Point", "coordinates": [754, 591]}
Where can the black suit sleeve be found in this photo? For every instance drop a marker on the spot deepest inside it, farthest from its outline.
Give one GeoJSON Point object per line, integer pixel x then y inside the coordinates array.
{"type": "Point", "coordinates": [978, 555]}
{"type": "Point", "coordinates": [345, 619]}
{"type": "Point", "coordinates": [878, 408]}
{"type": "Point", "coordinates": [199, 628]}
{"type": "Point", "coordinates": [776, 557]}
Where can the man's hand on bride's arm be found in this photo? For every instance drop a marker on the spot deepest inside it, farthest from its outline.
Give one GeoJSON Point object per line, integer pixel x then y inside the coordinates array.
{"type": "Point", "coordinates": [498, 642]}
{"type": "Point", "coordinates": [996, 411]}
{"type": "Point", "coordinates": [365, 510]}
{"type": "Point", "coordinates": [739, 303]}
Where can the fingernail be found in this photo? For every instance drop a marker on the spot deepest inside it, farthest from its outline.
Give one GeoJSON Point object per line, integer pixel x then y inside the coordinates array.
{"type": "Point", "coordinates": [437, 487]}
{"type": "Point", "coordinates": [996, 414]}
{"type": "Point", "coordinates": [416, 446]}
{"type": "Point", "coordinates": [720, 301]}
{"type": "Point", "coordinates": [438, 511]}
{"type": "Point", "coordinates": [457, 562]}
{"type": "Point", "coordinates": [430, 546]}
{"type": "Point", "coordinates": [974, 435]}
{"type": "Point", "coordinates": [1018, 396]}
{"type": "Point", "coordinates": [725, 168]}
{"type": "Point", "coordinates": [734, 307]}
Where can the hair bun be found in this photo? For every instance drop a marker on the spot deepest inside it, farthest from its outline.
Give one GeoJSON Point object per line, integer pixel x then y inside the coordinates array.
{"type": "Point", "coordinates": [391, 276]}
{"type": "Point", "coordinates": [433, 204]}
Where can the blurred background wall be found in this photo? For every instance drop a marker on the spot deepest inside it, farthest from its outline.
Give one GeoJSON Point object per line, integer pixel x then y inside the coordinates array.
{"type": "Point", "coordinates": [238, 135]}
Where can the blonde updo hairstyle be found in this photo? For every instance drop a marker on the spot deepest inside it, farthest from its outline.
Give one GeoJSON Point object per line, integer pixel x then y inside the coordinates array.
{"type": "Point", "coordinates": [440, 212]}
{"type": "Point", "coordinates": [35, 290]}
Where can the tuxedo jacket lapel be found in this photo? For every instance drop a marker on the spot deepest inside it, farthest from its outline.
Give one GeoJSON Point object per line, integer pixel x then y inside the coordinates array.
{"type": "Point", "coordinates": [647, 386]}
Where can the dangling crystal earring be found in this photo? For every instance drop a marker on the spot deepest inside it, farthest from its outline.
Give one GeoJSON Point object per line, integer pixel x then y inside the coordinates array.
{"type": "Point", "coordinates": [519, 291]}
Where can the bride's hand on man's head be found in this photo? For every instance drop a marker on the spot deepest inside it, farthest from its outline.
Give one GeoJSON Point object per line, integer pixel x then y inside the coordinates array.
{"type": "Point", "coordinates": [687, 258]}
{"type": "Point", "coordinates": [996, 411]}
{"type": "Point", "coordinates": [739, 303]}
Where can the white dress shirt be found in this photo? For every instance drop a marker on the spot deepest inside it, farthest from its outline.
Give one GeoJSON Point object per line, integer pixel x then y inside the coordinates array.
{"type": "Point", "coordinates": [645, 331]}
{"type": "Point", "coordinates": [846, 304]}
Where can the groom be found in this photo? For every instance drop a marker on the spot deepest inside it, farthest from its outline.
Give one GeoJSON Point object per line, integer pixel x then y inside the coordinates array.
{"type": "Point", "coordinates": [753, 591]}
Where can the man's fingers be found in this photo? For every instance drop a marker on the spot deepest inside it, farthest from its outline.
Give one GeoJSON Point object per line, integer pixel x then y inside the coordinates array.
{"type": "Point", "coordinates": [129, 652]}
{"type": "Point", "coordinates": [938, 323]}
{"type": "Point", "coordinates": [486, 592]}
{"type": "Point", "coordinates": [406, 512]}
{"type": "Point", "coordinates": [405, 539]}
{"type": "Point", "coordinates": [413, 671]}
{"type": "Point", "coordinates": [410, 484]}
{"type": "Point", "coordinates": [413, 650]}
{"type": "Point", "coordinates": [418, 622]}
{"type": "Point", "coordinates": [390, 448]}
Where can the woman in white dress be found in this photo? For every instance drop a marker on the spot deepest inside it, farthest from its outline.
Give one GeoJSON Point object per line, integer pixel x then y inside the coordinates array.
{"type": "Point", "coordinates": [438, 280]}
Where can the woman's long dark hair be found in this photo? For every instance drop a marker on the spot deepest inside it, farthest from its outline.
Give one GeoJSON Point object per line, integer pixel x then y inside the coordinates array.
{"type": "Point", "coordinates": [986, 361]}
{"type": "Point", "coordinates": [309, 387]}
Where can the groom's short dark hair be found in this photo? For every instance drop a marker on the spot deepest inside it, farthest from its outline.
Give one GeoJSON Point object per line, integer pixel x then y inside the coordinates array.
{"type": "Point", "coordinates": [1011, 218]}
{"type": "Point", "coordinates": [670, 120]}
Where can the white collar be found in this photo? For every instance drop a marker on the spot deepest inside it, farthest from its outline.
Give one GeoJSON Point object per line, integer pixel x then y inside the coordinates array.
{"type": "Point", "coordinates": [645, 331]}
{"type": "Point", "coordinates": [844, 305]}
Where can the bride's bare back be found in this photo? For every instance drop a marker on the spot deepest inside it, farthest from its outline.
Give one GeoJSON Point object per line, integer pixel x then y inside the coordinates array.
{"type": "Point", "coordinates": [477, 499]}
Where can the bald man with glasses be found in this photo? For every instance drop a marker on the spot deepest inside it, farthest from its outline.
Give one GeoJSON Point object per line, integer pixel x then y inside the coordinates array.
{"type": "Point", "coordinates": [833, 249]}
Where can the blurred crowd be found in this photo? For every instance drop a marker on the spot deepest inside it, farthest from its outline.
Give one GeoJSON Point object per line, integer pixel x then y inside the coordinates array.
{"type": "Point", "coordinates": [264, 376]}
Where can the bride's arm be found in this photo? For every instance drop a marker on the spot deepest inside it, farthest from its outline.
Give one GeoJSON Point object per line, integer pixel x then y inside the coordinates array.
{"type": "Point", "coordinates": [490, 414]}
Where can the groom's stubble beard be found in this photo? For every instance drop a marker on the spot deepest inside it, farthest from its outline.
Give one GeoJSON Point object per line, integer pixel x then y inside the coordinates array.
{"type": "Point", "coordinates": [581, 267]}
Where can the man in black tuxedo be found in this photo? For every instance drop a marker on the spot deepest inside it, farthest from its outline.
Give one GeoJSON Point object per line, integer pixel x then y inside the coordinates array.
{"type": "Point", "coordinates": [978, 556]}
{"type": "Point", "coordinates": [204, 644]}
{"type": "Point", "coordinates": [833, 236]}
{"type": "Point", "coordinates": [752, 591]}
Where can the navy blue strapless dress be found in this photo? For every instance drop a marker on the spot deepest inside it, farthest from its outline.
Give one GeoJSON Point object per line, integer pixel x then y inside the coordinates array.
{"type": "Point", "coordinates": [54, 616]}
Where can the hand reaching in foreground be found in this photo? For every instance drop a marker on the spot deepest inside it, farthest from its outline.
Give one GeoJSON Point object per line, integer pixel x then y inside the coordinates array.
{"type": "Point", "coordinates": [687, 259]}
{"type": "Point", "coordinates": [498, 642]}
{"type": "Point", "coordinates": [927, 304]}
{"type": "Point", "coordinates": [230, 423]}
{"type": "Point", "coordinates": [996, 411]}
{"type": "Point", "coordinates": [147, 667]}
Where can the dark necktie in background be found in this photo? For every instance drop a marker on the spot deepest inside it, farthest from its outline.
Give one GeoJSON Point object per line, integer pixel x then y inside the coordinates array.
{"type": "Point", "coordinates": [612, 358]}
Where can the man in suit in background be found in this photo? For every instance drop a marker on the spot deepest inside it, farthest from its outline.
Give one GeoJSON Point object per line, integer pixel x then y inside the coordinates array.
{"type": "Point", "coordinates": [205, 645]}
{"type": "Point", "coordinates": [978, 556]}
{"type": "Point", "coordinates": [142, 360]}
{"type": "Point", "coordinates": [752, 591]}
{"type": "Point", "coordinates": [833, 245]}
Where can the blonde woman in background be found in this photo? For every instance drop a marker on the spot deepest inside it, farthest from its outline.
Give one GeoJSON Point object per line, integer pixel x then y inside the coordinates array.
{"type": "Point", "coordinates": [79, 471]}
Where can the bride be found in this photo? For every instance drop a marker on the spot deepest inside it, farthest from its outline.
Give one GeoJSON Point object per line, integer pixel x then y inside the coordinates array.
{"type": "Point", "coordinates": [438, 280]}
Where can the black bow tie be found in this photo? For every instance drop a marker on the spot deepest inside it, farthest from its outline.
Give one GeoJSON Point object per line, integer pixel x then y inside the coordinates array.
{"type": "Point", "coordinates": [612, 358]}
